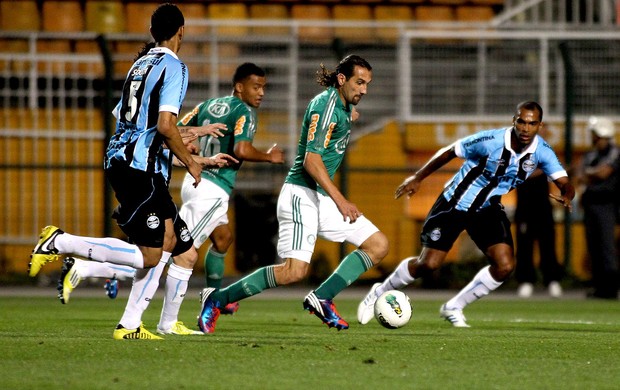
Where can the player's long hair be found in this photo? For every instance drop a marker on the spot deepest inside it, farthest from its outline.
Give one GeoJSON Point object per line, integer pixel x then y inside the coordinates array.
{"type": "Point", "coordinates": [145, 49]}
{"type": "Point", "coordinates": [328, 78]}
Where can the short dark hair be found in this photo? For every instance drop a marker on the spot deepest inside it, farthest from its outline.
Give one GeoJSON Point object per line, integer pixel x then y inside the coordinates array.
{"type": "Point", "coordinates": [166, 21]}
{"type": "Point", "coordinates": [529, 105]}
{"type": "Point", "coordinates": [329, 79]}
{"type": "Point", "coordinates": [246, 70]}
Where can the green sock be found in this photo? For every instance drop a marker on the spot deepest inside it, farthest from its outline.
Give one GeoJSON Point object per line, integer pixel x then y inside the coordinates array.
{"type": "Point", "coordinates": [254, 283]}
{"type": "Point", "coordinates": [214, 267]}
{"type": "Point", "coordinates": [350, 268]}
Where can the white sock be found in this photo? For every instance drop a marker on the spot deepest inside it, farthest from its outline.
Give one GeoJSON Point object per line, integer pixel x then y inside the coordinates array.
{"type": "Point", "coordinates": [93, 269]}
{"type": "Point", "coordinates": [398, 279]}
{"type": "Point", "coordinates": [103, 250]}
{"type": "Point", "coordinates": [481, 285]}
{"type": "Point", "coordinates": [176, 287]}
{"type": "Point", "coordinates": [145, 285]}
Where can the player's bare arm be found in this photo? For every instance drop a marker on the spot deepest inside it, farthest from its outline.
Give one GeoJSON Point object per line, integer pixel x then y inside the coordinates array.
{"type": "Point", "coordinates": [220, 160]}
{"type": "Point", "coordinates": [313, 164]}
{"type": "Point", "coordinates": [412, 184]}
{"type": "Point", "coordinates": [213, 129]}
{"type": "Point", "coordinates": [166, 126]}
{"type": "Point", "coordinates": [567, 192]}
{"type": "Point", "coordinates": [247, 152]}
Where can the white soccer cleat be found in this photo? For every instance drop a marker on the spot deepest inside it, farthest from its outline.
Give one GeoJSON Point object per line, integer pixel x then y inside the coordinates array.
{"type": "Point", "coordinates": [525, 290]}
{"type": "Point", "coordinates": [454, 316]}
{"type": "Point", "coordinates": [366, 308]}
{"type": "Point", "coordinates": [555, 289]}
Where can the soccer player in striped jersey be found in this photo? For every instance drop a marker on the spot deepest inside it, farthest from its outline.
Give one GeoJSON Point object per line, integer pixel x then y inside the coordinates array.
{"type": "Point", "coordinates": [310, 205]}
{"type": "Point", "coordinates": [496, 161]}
{"type": "Point", "coordinates": [137, 166]}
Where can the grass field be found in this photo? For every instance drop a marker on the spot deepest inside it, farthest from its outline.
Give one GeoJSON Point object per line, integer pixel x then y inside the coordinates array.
{"type": "Point", "coordinates": [271, 343]}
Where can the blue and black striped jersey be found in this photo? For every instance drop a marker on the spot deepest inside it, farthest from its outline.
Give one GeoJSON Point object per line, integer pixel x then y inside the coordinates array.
{"type": "Point", "coordinates": [156, 82]}
{"type": "Point", "coordinates": [492, 169]}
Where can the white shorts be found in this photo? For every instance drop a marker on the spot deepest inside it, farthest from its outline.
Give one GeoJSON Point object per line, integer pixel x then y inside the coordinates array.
{"type": "Point", "coordinates": [304, 215]}
{"type": "Point", "coordinates": [204, 208]}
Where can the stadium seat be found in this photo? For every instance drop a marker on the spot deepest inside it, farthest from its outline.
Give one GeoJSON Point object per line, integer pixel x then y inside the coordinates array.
{"type": "Point", "coordinates": [139, 17]}
{"type": "Point", "coordinates": [105, 16]}
{"type": "Point", "coordinates": [492, 2]}
{"type": "Point", "coordinates": [193, 11]}
{"type": "Point", "coordinates": [229, 11]}
{"type": "Point", "coordinates": [321, 12]}
{"type": "Point", "coordinates": [55, 16]}
{"type": "Point", "coordinates": [448, 2]}
{"type": "Point", "coordinates": [391, 13]}
{"type": "Point", "coordinates": [434, 13]}
{"type": "Point", "coordinates": [474, 13]}
{"type": "Point", "coordinates": [408, 2]}
{"type": "Point", "coordinates": [269, 11]}
{"type": "Point", "coordinates": [353, 13]}
{"type": "Point", "coordinates": [17, 16]}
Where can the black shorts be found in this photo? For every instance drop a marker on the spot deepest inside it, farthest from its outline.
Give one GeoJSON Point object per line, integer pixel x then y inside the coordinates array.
{"type": "Point", "coordinates": [144, 206]}
{"type": "Point", "coordinates": [444, 223]}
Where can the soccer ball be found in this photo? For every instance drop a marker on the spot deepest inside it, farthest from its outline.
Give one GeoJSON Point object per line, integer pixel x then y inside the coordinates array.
{"type": "Point", "coordinates": [393, 309]}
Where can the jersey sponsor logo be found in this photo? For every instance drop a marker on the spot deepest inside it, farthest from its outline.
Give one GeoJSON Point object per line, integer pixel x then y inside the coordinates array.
{"type": "Point", "coordinates": [342, 143]}
{"type": "Point", "coordinates": [185, 235]}
{"type": "Point", "coordinates": [239, 125]}
{"type": "Point", "coordinates": [219, 109]}
{"type": "Point", "coordinates": [152, 221]}
{"type": "Point", "coordinates": [139, 72]}
{"type": "Point", "coordinates": [185, 120]}
{"type": "Point", "coordinates": [477, 140]}
{"type": "Point", "coordinates": [528, 165]}
{"type": "Point", "coordinates": [314, 120]}
{"type": "Point", "coordinates": [328, 136]}
{"type": "Point", "coordinates": [436, 234]}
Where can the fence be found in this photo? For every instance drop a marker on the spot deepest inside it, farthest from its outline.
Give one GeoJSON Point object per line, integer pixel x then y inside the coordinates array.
{"type": "Point", "coordinates": [430, 87]}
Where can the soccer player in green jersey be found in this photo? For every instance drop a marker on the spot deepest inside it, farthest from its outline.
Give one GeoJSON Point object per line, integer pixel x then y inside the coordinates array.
{"type": "Point", "coordinates": [205, 207]}
{"type": "Point", "coordinates": [310, 205]}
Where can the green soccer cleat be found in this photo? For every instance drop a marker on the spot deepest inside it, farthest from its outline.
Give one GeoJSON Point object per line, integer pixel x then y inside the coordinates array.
{"type": "Point", "coordinates": [120, 333]}
{"type": "Point", "coordinates": [179, 329]}
{"type": "Point", "coordinates": [44, 252]}
{"type": "Point", "coordinates": [69, 279]}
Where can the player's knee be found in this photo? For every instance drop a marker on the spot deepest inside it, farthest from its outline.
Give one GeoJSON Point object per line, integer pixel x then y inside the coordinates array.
{"type": "Point", "coordinates": [222, 243]}
{"type": "Point", "coordinates": [151, 258]}
{"type": "Point", "coordinates": [291, 272]}
{"type": "Point", "coordinates": [503, 268]}
{"type": "Point", "coordinates": [377, 247]}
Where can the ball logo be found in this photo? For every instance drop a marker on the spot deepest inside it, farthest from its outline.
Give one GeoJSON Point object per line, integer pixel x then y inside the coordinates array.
{"type": "Point", "coordinates": [436, 234]}
{"type": "Point", "coordinates": [393, 302]}
{"type": "Point", "coordinates": [528, 166]}
{"type": "Point", "coordinates": [152, 221]}
{"type": "Point", "coordinates": [311, 239]}
{"type": "Point", "coordinates": [185, 236]}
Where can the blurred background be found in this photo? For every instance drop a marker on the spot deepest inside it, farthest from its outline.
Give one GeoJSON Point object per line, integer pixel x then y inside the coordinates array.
{"type": "Point", "coordinates": [442, 69]}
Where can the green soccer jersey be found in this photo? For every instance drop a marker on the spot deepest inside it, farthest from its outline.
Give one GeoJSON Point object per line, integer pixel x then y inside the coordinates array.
{"type": "Point", "coordinates": [241, 122]}
{"type": "Point", "coordinates": [325, 130]}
